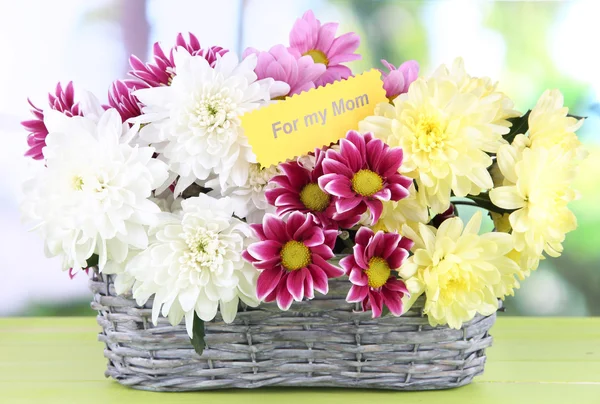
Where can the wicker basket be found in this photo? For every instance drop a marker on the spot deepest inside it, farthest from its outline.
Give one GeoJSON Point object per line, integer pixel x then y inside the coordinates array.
{"type": "Point", "coordinates": [318, 343]}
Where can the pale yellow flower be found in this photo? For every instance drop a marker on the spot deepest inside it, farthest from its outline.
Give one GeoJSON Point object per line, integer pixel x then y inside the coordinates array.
{"type": "Point", "coordinates": [410, 210]}
{"type": "Point", "coordinates": [537, 186]}
{"type": "Point", "coordinates": [460, 271]}
{"type": "Point", "coordinates": [483, 86]}
{"type": "Point", "coordinates": [550, 126]}
{"type": "Point", "coordinates": [446, 125]}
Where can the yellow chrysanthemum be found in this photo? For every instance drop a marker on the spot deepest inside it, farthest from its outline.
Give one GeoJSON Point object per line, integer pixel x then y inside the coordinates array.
{"type": "Point", "coordinates": [483, 86]}
{"type": "Point", "coordinates": [538, 187]}
{"type": "Point", "coordinates": [460, 271]}
{"type": "Point", "coordinates": [410, 210]}
{"type": "Point", "coordinates": [536, 173]}
{"type": "Point", "coordinates": [550, 126]}
{"type": "Point", "coordinates": [446, 125]}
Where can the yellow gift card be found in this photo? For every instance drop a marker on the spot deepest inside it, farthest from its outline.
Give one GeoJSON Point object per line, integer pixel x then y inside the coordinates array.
{"type": "Point", "coordinates": [316, 118]}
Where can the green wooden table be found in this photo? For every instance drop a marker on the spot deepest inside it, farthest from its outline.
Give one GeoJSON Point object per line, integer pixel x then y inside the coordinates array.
{"type": "Point", "coordinates": [541, 360]}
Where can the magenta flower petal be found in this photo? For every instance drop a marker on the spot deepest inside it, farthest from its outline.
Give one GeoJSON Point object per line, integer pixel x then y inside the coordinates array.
{"type": "Point", "coordinates": [292, 258]}
{"type": "Point", "coordinates": [162, 69]}
{"type": "Point", "coordinates": [344, 205]}
{"type": "Point", "coordinates": [309, 285]}
{"type": "Point", "coordinates": [319, 278]}
{"type": "Point", "coordinates": [382, 254]}
{"type": "Point", "coordinates": [385, 194]}
{"type": "Point", "coordinates": [62, 100]}
{"type": "Point", "coordinates": [264, 250]}
{"type": "Point", "coordinates": [357, 294]}
{"type": "Point", "coordinates": [358, 277]}
{"type": "Point", "coordinates": [363, 235]}
{"type": "Point", "coordinates": [359, 256]}
{"type": "Point", "coordinates": [284, 298]}
{"type": "Point", "coordinates": [376, 301]}
{"type": "Point", "coordinates": [376, 208]}
{"type": "Point", "coordinates": [370, 175]}
{"type": "Point", "coordinates": [295, 284]}
{"type": "Point", "coordinates": [290, 192]}
{"type": "Point", "coordinates": [392, 300]}
{"type": "Point", "coordinates": [396, 285]}
{"type": "Point", "coordinates": [274, 227]}
{"type": "Point", "coordinates": [258, 231]}
{"type": "Point", "coordinates": [267, 282]}
{"type": "Point", "coordinates": [313, 238]}
{"type": "Point", "coordinates": [396, 258]}
{"type": "Point", "coordinates": [336, 167]}
{"type": "Point", "coordinates": [331, 270]}
{"type": "Point", "coordinates": [347, 263]}
{"type": "Point", "coordinates": [336, 185]}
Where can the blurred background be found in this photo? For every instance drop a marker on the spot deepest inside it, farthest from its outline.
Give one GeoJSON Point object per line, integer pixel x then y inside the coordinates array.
{"type": "Point", "coordinates": [526, 46]}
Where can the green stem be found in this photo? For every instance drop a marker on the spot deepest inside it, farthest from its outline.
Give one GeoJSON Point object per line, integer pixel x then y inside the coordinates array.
{"type": "Point", "coordinates": [466, 203]}
{"type": "Point", "coordinates": [483, 201]}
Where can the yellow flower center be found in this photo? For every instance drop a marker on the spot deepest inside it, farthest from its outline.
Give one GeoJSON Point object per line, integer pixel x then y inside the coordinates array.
{"type": "Point", "coordinates": [313, 197]}
{"type": "Point", "coordinates": [77, 183]}
{"type": "Point", "coordinates": [366, 183]}
{"type": "Point", "coordinates": [318, 56]}
{"type": "Point", "coordinates": [430, 134]}
{"type": "Point", "coordinates": [295, 255]}
{"type": "Point", "coordinates": [378, 272]}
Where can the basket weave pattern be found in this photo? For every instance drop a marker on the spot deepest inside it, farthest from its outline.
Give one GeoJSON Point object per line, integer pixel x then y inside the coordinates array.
{"type": "Point", "coordinates": [318, 343]}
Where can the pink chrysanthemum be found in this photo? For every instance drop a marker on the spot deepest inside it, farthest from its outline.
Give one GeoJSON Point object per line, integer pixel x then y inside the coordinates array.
{"type": "Point", "coordinates": [162, 70]}
{"type": "Point", "coordinates": [121, 98]}
{"type": "Point", "coordinates": [309, 37]}
{"type": "Point", "coordinates": [371, 267]}
{"type": "Point", "coordinates": [298, 191]}
{"type": "Point", "coordinates": [63, 100]}
{"type": "Point", "coordinates": [362, 175]}
{"type": "Point", "coordinates": [299, 73]}
{"type": "Point", "coordinates": [292, 258]}
{"type": "Point", "coordinates": [397, 81]}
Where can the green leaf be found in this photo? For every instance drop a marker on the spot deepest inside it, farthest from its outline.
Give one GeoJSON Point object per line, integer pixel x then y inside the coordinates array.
{"type": "Point", "coordinates": [520, 125]}
{"type": "Point", "coordinates": [197, 339]}
{"type": "Point", "coordinates": [385, 311]}
{"type": "Point", "coordinates": [92, 261]}
{"type": "Point", "coordinates": [483, 201]}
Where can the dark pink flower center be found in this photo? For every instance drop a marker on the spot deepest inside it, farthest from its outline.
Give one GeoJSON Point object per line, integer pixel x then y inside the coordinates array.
{"type": "Point", "coordinates": [366, 182]}
{"type": "Point", "coordinates": [314, 198]}
{"type": "Point", "coordinates": [378, 272]}
{"type": "Point", "coordinates": [295, 255]}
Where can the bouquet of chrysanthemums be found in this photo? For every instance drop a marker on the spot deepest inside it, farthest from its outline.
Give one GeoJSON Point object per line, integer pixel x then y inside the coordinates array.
{"type": "Point", "coordinates": [161, 188]}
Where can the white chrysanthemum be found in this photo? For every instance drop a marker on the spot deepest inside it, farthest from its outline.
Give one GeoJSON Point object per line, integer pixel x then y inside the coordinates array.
{"type": "Point", "coordinates": [249, 200]}
{"type": "Point", "coordinates": [92, 196]}
{"type": "Point", "coordinates": [123, 280]}
{"type": "Point", "coordinates": [194, 264]}
{"type": "Point", "coordinates": [446, 126]}
{"type": "Point", "coordinates": [195, 122]}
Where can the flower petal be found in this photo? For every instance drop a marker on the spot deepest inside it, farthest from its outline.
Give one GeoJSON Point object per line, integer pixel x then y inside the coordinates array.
{"type": "Point", "coordinates": [357, 293]}
{"type": "Point", "coordinates": [267, 282]}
